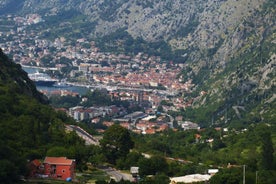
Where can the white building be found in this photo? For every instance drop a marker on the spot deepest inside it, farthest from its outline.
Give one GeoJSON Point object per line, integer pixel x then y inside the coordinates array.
{"type": "Point", "coordinates": [190, 178]}
{"type": "Point", "coordinates": [187, 125]}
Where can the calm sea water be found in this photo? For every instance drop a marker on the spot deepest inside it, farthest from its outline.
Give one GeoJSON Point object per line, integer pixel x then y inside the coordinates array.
{"type": "Point", "coordinates": [77, 89]}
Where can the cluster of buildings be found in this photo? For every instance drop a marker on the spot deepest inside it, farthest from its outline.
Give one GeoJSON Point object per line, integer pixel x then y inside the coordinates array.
{"type": "Point", "coordinates": [156, 80]}
{"type": "Point", "coordinates": [28, 47]}
{"type": "Point", "coordinates": [147, 121]}
{"type": "Point", "coordinates": [27, 20]}
{"type": "Point", "coordinates": [80, 113]}
{"type": "Point", "coordinates": [138, 121]}
{"type": "Point", "coordinates": [59, 92]}
{"type": "Point", "coordinates": [88, 66]}
{"type": "Point", "coordinates": [138, 71]}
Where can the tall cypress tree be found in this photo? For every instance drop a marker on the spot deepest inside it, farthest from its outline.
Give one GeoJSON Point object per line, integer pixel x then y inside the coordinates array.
{"type": "Point", "coordinates": [266, 162]}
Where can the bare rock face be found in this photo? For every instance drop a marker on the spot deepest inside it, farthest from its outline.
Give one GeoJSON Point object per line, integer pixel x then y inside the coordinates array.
{"type": "Point", "coordinates": [153, 20]}
{"type": "Point", "coordinates": [214, 28]}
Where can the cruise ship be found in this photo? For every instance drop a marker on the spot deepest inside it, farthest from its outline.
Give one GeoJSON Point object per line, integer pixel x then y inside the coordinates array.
{"type": "Point", "coordinates": [42, 79]}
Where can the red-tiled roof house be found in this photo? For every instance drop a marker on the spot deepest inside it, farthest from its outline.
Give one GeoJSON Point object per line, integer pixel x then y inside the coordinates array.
{"type": "Point", "coordinates": [59, 168]}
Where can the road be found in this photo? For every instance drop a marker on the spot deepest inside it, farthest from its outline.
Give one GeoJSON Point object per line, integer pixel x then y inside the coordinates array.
{"type": "Point", "coordinates": [117, 175]}
{"type": "Point", "coordinates": [89, 139]}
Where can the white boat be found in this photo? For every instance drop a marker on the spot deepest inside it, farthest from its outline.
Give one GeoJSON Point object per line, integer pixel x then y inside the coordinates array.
{"type": "Point", "coordinates": [42, 79]}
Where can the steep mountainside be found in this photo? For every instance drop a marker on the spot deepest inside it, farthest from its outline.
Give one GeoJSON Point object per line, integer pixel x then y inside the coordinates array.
{"type": "Point", "coordinates": [228, 45]}
{"type": "Point", "coordinates": [12, 75]}
{"type": "Point", "coordinates": [206, 21]}
{"type": "Point", "coordinates": [239, 74]}
{"type": "Point", "coordinates": [28, 129]}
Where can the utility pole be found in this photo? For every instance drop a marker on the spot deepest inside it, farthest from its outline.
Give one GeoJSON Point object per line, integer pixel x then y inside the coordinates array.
{"type": "Point", "coordinates": [256, 177]}
{"type": "Point", "coordinates": [243, 174]}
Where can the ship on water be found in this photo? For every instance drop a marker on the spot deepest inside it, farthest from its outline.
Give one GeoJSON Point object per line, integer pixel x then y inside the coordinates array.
{"type": "Point", "coordinates": [62, 84]}
{"type": "Point", "coordinates": [42, 79]}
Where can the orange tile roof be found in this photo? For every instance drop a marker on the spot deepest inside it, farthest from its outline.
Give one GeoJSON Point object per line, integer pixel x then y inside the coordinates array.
{"type": "Point", "coordinates": [36, 162]}
{"type": "Point", "coordinates": [197, 136]}
{"type": "Point", "coordinates": [150, 131]}
{"type": "Point", "coordinates": [58, 160]}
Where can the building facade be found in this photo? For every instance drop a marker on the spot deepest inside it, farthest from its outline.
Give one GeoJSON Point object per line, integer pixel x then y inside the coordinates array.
{"type": "Point", "coordinates": [59, 168]}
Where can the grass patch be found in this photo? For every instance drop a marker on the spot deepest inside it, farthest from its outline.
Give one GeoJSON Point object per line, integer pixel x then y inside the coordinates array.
{"type": "Point", "coordinates": [45, 181]}
{"type": "Point", "coordinates": [92, 175]}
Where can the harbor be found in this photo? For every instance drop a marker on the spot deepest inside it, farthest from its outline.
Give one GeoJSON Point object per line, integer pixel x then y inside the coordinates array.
{"type": "Point", "coordinates": [72, 87]}
{"type": "Point", "coordinates": [48, 85]}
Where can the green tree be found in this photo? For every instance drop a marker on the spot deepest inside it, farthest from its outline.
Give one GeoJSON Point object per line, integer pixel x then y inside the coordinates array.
{"type": "Point", "coordinates": [157, 179]}
{"type": "Point", "coordinates": [131, 160]}
{"type": "Point", "coordinates": [266, 162]}
{"type": "Point", "coordinates": [116, 143]}
{"type": "Point", "coordinates": [152, 166]}
{"type": "Point", "coordinates": [161, 179]}
{"type": "Point", "coordinates": [160, 164]}
{"type": "Point", "coordinates": [227, 176]}
{"type": "Point", "coordinates": [96, 155]}
{"type": "Point", "coordinates": [97, 97]}
{"type": "Point", "coordinates": [64, 101]}
{"type": "Point", "coordinates": [101, 182]}
{"type": "Point", "coordinates": [8, 172]}
{"type": "Point", "coordinates": [266, 177]}
{"type": "Point", "coordinates": [218, 144]}
{"type": "Point", "coordinates": [57, 151]}
{"type": "Point", "coordinates": [160, 108]}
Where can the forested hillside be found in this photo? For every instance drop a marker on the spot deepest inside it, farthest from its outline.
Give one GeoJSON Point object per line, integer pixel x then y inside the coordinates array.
{"type": "Point", "coordinates": [196, 151]}
{"type": "Point", "coordinates": [29, 129]}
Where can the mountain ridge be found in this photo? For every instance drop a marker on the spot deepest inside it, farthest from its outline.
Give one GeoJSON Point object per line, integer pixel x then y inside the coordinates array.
{"type": "Point", "coordinates": [204, 27]}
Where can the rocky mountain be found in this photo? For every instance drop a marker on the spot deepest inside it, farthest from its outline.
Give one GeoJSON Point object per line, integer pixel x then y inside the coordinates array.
{"type": "Point", "coordinates": [228, 46]}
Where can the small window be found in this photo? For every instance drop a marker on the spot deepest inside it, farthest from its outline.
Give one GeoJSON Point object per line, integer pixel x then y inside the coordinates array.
{"type": "Point", "coordinates": [63, 170]}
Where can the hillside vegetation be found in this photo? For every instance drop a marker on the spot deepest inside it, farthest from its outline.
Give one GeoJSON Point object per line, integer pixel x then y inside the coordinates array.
{"type": "Point", "coordinates": [29, 129]}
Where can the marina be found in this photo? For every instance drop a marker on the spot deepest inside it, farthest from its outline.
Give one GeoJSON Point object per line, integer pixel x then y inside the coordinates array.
{"type": "Point", "coordinates": [53, 85]}
{"type": "Point", "coordinates": [84, 88]}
